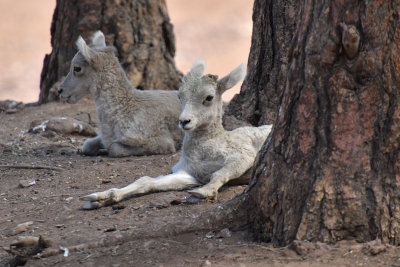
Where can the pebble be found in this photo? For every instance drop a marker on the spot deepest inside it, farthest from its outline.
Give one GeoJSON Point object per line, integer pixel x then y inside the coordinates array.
{"type": "Point", "coordinates": [224, 233]}
{"type": "Point", "coordinates": [22, 227]}
{"type": "Point", "coordinates": [26, 183]}
{"type": "Point", "coordinates": [207, 263]}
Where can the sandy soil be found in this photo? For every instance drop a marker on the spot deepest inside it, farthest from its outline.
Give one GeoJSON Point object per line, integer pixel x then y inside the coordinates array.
{"type": "Point", "coordinates": [52, 205]}
{"type": "Point", "coordinates": [218, 31]}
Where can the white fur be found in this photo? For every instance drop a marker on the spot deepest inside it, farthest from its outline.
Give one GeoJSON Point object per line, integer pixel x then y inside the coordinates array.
{"type": "Point", "coordinates": [198, 67]}
{"type": "Point", "coordinates": [237, 74]}
{"type": "Point", "coordinates": [99, 40]}
{"type": "Point", "coordinates": [210, 156]}
{"type": "Point", "coordinates": [86, 51]}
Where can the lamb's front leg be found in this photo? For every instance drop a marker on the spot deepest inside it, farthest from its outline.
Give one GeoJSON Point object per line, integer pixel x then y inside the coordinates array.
{"type": "Point", "coordinates": [175, 181]}
{"type": "Point", "coordinates": [222, 176]}
{"type": "Point", "coordinates": [93, 146]}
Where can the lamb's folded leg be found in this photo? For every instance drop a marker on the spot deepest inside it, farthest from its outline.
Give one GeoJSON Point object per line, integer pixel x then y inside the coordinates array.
{"type": "Point", "coordinates": [219, 178]}
{"type": "Point", "coordinates": [93, 146]}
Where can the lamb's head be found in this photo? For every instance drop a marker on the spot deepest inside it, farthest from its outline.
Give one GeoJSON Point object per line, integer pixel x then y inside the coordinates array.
{"type": "Point", "coordinates": [82, 77]}
{"type": "Point", "coordinates": [201, 96]}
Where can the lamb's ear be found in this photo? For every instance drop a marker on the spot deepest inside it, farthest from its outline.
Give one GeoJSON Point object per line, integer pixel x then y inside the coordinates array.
{"type": "Point", "coordinates": [232, 78]}
{"type": "Point", "coordinates": [98, 40]}
{"type": "Point", "coordinates": [198, 68]}
{"type": "Point", "coordinates": [86, 51]}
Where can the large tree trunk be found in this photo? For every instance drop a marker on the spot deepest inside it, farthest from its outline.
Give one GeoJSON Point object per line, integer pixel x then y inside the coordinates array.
{"type": "Point", "coordinates": [274, 23]}
{"type": "Point", "coordinates": [139, 29]}
{"type": "Point", "coordinates": [331, 168]}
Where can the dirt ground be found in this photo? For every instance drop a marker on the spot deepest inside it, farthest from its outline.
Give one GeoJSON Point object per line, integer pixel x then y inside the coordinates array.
{"type": "Point", "coordinates": [52, 205]}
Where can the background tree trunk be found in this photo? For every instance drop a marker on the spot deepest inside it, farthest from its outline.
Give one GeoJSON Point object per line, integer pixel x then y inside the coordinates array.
{"type": "Point", "coordinates": [139, 29]}
{"type": "Point", "coordinates": [330, 170]}
{"type": "Point", "coordinates": [274, 23]}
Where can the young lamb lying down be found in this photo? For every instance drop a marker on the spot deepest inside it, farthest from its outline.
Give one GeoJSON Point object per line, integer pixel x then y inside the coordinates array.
{"type": "Point", "coordinates": [132, 122]}
{"type": "Point", "coordinates": [211, 156]}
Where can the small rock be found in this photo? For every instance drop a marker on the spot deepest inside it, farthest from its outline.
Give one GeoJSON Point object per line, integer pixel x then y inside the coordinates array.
{"type": "Point", "coordinates": [62, 125]}
{"type": "Point", "coordinates": [162, 201]}
{"type": "Point", "coordinates": [193, 199]}
{"type": "Point", "coordinates": [11, 106]}
{"type": "Point", "coordinates": [374, 247]}
{"type": "Point", "coordinates": [20, 228]}
{"type": "Point", "coordinates": [321, 245]}
{"type": "Point", "coordinates": [118, 207]}
{"type": "Point", "coordinates": [207, 263]}
{"type": "Point", "coordinates": [302, 248]}
{"type": "Point", "coordinates": [377, 250]}
{"type": "Point", "coordinates": [26, 183]}
{"type": "Point", "coordinates": [224, 233]}
{"type": "Point", "coordinates": [210, 235]}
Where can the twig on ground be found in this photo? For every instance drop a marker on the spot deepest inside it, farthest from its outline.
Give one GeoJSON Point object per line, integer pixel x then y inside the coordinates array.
{"type": "Point", "coordinates": [35, 167]}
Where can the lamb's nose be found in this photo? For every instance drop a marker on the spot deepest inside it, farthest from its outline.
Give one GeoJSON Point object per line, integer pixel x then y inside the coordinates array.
{"type": "Point", "coordinates": [184, 122]}
{"type": "Point", "coordinates": [59, 90]}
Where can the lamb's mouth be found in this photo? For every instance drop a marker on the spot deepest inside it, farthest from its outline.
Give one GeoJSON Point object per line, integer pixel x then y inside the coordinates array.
{"type": "Point", "coordinates": [186, 127]}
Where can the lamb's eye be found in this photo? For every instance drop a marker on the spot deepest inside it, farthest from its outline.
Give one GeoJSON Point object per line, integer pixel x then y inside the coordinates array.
{"type": "Point", "coordinates": [209, 98]}
{"type": "Point", "coordinates": [77, 69]}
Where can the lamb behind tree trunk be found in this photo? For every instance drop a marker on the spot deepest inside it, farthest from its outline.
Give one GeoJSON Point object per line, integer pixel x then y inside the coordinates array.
{"type": "Point", "coordinates": [132, 122]}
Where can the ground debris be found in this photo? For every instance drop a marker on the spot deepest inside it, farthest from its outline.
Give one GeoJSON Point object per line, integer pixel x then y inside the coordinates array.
{"type": "Point", "coordinates": [25, 241]}
{"type": "Point", "coordinates": [302, 248]}
{"type": "Point", "coordinates": [11, 106]}
{"type": "Point", "coordinates": [164, 201]}
{"type": "Point", "coordinates": [62, 125]}
{"type": "Point", "coordinates": [224, 233]}
{"type": "Point", "coordinates": [374, 247]}
{"type": "Point", "coordinates": [20, 228]}
{"type": "Point", "coordinates": [25, 247]}
{"type": "Point", "coordinates": [26, 183]}
{"type": "Point", "coordinates": [207, 263]}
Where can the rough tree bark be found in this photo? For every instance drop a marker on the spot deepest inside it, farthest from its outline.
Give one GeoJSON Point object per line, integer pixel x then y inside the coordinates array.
{"type": "Point", "coordinates": [274, 23]}
{"type": "Point", "coordinates": [330, 170]}
{"type": "Point", "coordinates": [139, 29]}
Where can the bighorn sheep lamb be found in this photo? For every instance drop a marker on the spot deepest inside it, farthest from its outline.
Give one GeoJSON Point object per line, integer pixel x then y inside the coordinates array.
{"type": "Point", "coordinates": [210, 156]}
{"type": "Point", "coordinates": [132, 122]}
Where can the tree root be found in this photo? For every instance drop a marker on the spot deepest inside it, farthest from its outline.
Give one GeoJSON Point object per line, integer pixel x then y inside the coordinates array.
{"type": "Point", "coordinates": [231, 214]}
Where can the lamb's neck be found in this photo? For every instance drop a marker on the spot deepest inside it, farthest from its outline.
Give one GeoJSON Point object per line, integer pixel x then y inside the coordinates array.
{"type": "Point", "coordinates": [202, 134]}
{"type": "Point", "coordinates": [114, 88]}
